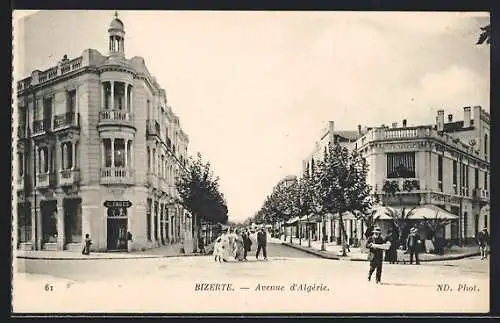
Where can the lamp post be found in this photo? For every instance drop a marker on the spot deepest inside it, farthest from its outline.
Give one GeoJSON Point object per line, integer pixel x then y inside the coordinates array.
{"type": "Point", "coordinates": [308, 227]}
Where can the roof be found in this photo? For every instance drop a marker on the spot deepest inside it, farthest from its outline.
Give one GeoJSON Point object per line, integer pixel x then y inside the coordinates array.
{"type": "Point", "coordinates": [116, 24]}
{"type": "Point", "coordinates": [457, 126]}
{"type": "Point", "coordinates": [348, 134]}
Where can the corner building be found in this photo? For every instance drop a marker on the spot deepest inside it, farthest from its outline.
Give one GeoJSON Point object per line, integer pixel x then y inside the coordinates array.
{"type": "Point", "coordinates": [98, 151]}
{"type": "Point", "coordinates": [444, 165]}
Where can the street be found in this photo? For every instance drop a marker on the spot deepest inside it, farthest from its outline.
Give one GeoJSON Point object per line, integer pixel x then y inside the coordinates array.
{"type": "Point", "coordinates": [181, 284]}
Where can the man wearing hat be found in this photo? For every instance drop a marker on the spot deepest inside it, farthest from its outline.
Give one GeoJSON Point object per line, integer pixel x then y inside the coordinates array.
{"type": "Point", "coordinates": [483, 240]}
{"type": "Point", "coordinates": [261, 242]}
{"type": "Point", "coordinates": [414, 245]}
{"type": "Point", "coordinates": [376, 253]}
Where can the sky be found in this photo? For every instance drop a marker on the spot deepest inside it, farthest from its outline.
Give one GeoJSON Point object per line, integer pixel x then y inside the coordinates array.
{"type": "Point", "coordinates": [253, 89]}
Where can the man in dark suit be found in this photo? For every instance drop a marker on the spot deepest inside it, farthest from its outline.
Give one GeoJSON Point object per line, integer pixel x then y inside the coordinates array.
{"type": "Point", "coordinates": [414, 245]}
{"type": "Point", "coordinates": [375, 254]}
{"type": "Point", "coordinates": [261, 243]}
{"type": "Point", "coordinates": [483, 241]}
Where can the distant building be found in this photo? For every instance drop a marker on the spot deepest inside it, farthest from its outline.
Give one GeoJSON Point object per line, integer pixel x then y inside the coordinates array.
{"type": "Point", "coordinates": [98, 149]}
{"type": "Point", "coordinates": [446, 164]}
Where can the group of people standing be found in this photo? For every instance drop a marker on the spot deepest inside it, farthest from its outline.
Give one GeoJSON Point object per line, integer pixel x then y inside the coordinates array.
{"type": "Point", "coordinates": [236, 243]}
{"type": "Point", "coordinates": [378, 244]}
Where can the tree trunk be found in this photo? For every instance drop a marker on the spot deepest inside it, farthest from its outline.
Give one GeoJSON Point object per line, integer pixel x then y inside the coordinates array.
{"type": "Point", "coordinates": [343, 235]}
{"type": "Point", "coordinates": [196, 232]}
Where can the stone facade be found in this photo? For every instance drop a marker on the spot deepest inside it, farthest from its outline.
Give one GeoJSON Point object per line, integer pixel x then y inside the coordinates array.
{"type": "Point", "coordinates": [98, 151]}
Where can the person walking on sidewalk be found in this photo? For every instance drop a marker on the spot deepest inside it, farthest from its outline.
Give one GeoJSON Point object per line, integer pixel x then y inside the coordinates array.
{"type": "Point", "coordinates": [483, 241]}
{"type": "Point", "coordinates": [376, 254]}
{"type": "Point", "coordinates": [86, 246]}
{"type": "Point", "coordinates": [414, 245]}
{"type": "Point", "coordinates": [247, 244]}
{"type": "Point", "coordinates": [261, 243]}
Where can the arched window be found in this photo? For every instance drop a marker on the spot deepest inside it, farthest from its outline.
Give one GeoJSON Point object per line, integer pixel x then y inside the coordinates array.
{"type": "Point", "coordinates": [119, 153]}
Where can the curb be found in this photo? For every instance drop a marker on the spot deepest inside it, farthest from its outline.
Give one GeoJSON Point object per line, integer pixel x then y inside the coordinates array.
{"type": "Point", "coordinates": [112, 258]}
{"type": "Point", "coordinates": [318, 253]}
{"type": "Point", "coordinates": [332, 257]}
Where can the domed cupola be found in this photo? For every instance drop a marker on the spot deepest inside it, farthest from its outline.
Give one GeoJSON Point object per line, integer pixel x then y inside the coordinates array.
{"type": "Point", "coordinates": [116, 33]}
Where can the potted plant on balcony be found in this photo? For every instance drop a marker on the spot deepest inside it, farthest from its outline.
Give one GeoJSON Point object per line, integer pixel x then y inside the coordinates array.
{"type": "Point", "coordinates": [410, 185]}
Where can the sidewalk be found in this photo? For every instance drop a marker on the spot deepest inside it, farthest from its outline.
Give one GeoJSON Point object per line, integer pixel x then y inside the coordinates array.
{"type": "Point", "coordinates": [160, 252]}
{"type": "Point", "coordinates": [334, 252]}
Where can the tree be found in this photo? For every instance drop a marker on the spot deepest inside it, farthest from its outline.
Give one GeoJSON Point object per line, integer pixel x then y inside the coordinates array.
{"type": "Point", "coordinates": [343, 186]}
{"type": "Point", "coordinates": [369, 218]}
{"type": "Point", "coordinates": [485, 35]}
{"type": "Point", "coordinates": [435, 226]}
{"type": "Point", "coordinates": [400, 220]}
{"type": "Point", "coordinates": [200, 195]}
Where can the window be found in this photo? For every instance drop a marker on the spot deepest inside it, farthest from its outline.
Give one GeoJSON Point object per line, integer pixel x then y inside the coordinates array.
{"type": "Point", "coordinates": [119, 153]}
{"type": "Point", "coordinates": [107, 152]}
{"type": "Point", "coordinates": [43, 158]}
{"type": "Point", "coordinates": [67, 155]}
{"type": "Point", "coordinates": [485, 180]}
{"type": "Point", "coordinates": [155, 223]}
{"type": "Point", "coordinates": [148, 219]}
{"type": "Point", "coordinates": [476, 178]}
{"type": "Point", "coordinates": [466, 227]}
{"type": "Point", "coordinates": [73, 220]}
{"type": "Point", "coordinates": [440, 173]}
{"type": "Point", "coordinates": [149, 159]}
{"type": "Point", "coordinates": [401, 165]}
{"type": "Point", "coordinates": [455, 190]}
{"type": "Point", "coordinates": [71, 101]}
{"type": "Point", "coordinates": [486, 145]}
{"type": "Point", "coordinates": [20, 165]}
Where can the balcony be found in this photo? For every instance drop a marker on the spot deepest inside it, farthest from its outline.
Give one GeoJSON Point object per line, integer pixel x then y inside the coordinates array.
{"type": "Point", "coordinates": [68, 177]}
{"type": "Point", "coordinates": [20, 183]}
{"type": "Point", "coordinates": [21, 132]}
{"type": "Point", "coordinates": [481, 195]}
{"type": "Point", "coordinates": [152, 128]}
{"type": "Point", "coordinates": [117, 175]}
{"type": "Point", "coordinates": [115, 118]}
{"type": "Point", "coordinates": [45, 180]}
{"type": "Point", "coordinates": [66, 121]}
{"type": "Point", "coordinates": [401, 191]}
{"type": "Point", "coordinates": [41, 127]}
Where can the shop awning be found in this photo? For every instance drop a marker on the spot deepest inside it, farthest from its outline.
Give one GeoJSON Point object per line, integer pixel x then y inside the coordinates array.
{"type": "Point", "coordinates": [429, 212]}
{"type": "Point", "coordinates": [292, 221]}
{"type": "Point", "coordinates": [382, 212]}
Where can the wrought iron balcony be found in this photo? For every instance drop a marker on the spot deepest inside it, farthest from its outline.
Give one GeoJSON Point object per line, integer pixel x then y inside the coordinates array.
{"type": "Point", "coordinates": [42, 126]}
{"type": "Point", "coordinates": [115, 117]}
{"type": "Point", "coordinates": [68, 177]}
{"type": "Point", "coordinates": [45, 180]}
{"type": "Point", "coordinates": [117, 175]}
{"type": "Point", "coordinates": [152, 128]}
{"type": "Point", "coordinates": [480, 194]}
{"type": "Point", "coordinates": [66, 120]}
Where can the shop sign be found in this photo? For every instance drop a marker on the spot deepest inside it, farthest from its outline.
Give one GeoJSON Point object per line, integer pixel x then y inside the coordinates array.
{"type": "Point", "coordinates": [117, 204]}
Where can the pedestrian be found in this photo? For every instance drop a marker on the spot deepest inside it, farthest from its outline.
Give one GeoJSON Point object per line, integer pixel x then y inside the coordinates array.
{"type": "Point", "coordinates": [375, 244]}
{"type": "Point", "coordinates": [231, 236]}
{"type": "Point", "coordinates": [247, 243]}
{"type": "Point", "coordinates": [483, 240]}
{"type": "Point", "coordinates": [261, 243]}
{"type": "Point", "coordinates": [414, 245]}
{"type": "Point", "coordinates": [218, 249]}
{"type": "Point", "coordinates": [86, 246]}
{"type": "Point", "coordinates": [225, 245]}
{"type": "Point", "coordinates": [391, 255]}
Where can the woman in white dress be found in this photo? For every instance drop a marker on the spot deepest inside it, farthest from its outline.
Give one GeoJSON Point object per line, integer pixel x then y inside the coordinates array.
{"type": "Point", "coordinates": [226, 246]}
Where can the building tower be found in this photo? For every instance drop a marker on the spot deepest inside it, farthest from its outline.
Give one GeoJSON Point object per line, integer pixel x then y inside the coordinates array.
{"type": "Point", "coordinates": [116, 33]}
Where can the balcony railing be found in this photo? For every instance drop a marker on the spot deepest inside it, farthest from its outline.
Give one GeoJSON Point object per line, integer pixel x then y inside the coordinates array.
{"type": "Point", "coordinates": [480, 194]}
{"type": "Point", "coordinates": [41, 126]}
{"type": "Point", "coordinates": [115, 117]}
{"type": "Point", "coordinates": [66, 120]}
{"type": "Point", "coordinates": [45, 180]}
{"type": "Point", "coordinates": [401, 185]}
{"type": "Point", "coordinates": [152, 128]}
{"type": "Point", "coordinates": [68, 177]}
{"type": "Point", "coordinates": [117, 175]}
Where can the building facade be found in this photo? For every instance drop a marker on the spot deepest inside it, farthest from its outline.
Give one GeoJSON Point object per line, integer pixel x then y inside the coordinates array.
{"type": "Point", "coordinates": [98, 151]}
{"type": "Point", "coordinates": [446, 164]}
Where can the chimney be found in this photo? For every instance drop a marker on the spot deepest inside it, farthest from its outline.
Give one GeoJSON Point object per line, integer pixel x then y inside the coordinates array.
{"type": "Point", "coordinates": [394, 124]}
{"type": "Point", "coordinates": [467, 123]}
{"type": "Point", "coordinates": [331, 128]}
{"type": "Point", "coordinates": [359, 129]}
{"type": "Point", "coordinates": [440, 120]}
{"type": "Point", "coordinates": [404, 123]}
{"type": "Point", "coordinates": [450, 118]}
{"type": "Point", "coordinates": [477, 115]}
